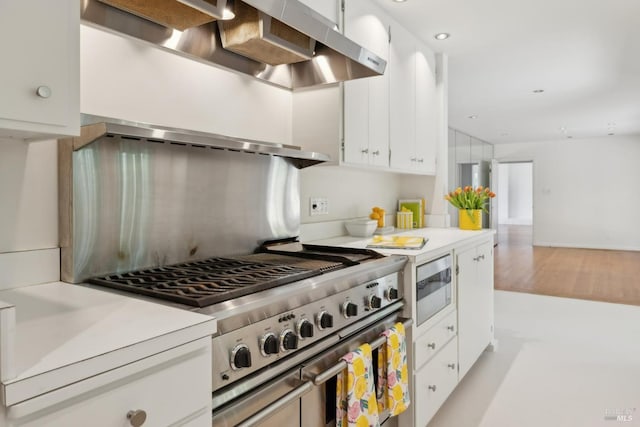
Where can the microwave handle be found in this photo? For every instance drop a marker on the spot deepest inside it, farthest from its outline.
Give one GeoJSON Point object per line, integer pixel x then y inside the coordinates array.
{"type": "Point", "coordinates": [324, 376]}
{"type": "Point", "coordinates": [266, 412]}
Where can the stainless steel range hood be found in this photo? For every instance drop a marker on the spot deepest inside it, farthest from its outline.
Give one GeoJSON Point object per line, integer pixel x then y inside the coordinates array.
{"type": "Point", "coordinates": [336, 58]}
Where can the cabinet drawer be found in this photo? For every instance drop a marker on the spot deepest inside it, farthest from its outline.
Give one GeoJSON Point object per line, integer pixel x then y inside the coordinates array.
{"type": "Point", "coordinates": [173, 387]}
{"type": "Point", "coordinates": [435, 338]}
{"type": "Point", "coordinates": [434, 382]}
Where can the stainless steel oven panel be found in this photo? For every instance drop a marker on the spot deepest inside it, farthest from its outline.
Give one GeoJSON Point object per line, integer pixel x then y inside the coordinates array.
{"type": "Point", "coordinates": [434, 288]}
{"type": "Point", "coordinates": [269, 394]}
{"type": "Point", "coordinates": [430, 268]}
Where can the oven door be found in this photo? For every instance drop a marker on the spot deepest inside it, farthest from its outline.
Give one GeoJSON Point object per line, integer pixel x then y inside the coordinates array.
{"type": "Point", "coordinates": [277, 402]}
{"type": "Point", "coordinates": [318, 407]}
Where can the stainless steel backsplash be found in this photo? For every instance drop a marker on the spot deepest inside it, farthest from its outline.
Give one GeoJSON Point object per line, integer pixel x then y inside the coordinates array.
{"type": "Point", "coordinates": [135, 204]}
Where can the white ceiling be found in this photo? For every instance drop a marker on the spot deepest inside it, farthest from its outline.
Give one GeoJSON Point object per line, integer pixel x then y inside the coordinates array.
{"type": "Point", "coordinates": [584, 54]}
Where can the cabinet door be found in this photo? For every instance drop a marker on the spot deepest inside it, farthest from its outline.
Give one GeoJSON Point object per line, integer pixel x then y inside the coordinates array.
{"type": "Point", "coordinates": [366, 101]}
{"type": "Point", "coordinates": [475, 303]}
{"type": "Point", "coordinates": [402, 98]}
{"type": "Point", "coordinates": [47, 59]}
{"type": "Point", "coordinates": [426, 112]}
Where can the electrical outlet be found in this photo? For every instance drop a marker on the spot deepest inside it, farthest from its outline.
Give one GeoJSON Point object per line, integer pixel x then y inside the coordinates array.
{"type": "Point", "coordinates": [318, 206]}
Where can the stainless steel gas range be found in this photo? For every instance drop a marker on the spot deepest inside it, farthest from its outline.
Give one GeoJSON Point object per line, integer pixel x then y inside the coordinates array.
{"type": "Point", "coordinates": [287, 312]}
{"type": "Point", "coordinates": [277, 310]}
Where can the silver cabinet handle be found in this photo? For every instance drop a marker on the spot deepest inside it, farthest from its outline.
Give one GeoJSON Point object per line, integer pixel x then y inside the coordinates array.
{"type": "Point", "coordinates": [413, 159]}
{"type": "Point", "coordinates": [481, 256]}
{"type": "Point", "coordinates": [451, 365]}
{"type": "Point", "coordinates": [451, 328]}
{"type": "Point", "coordinates": [420, 160]}
{"type": "Point", "coordinates": [43, 91]}
{"type": "Point", "coordinates": [432, 387]}
{"type": "Point", "coordinates": [432, 345]}
{"type": "Point", "coordinates": [364, 150]}
{"type": "Point", "coordinates": [376, 153]}
{"type": "Point", "coordinates": [137, 418]}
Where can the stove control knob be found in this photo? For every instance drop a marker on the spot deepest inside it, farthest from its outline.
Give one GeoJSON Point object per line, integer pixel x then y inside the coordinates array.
{"type": "Point", "coordinates": [324, 320]}
{"type": "Point", "coordinates": [240, 357]}
{"type": "Point", "coordinates": [288, 340]}
{"type": "Point", "coordinates": [269, 344]}
{"type": "Point", "coordinates": [305, 329]}
{"type": "Point", "coordinates": [391, 294]}
{"type": "Point", "coordinates": [349, 309]}
{"type": "Point", "coordinates": [373, 302]}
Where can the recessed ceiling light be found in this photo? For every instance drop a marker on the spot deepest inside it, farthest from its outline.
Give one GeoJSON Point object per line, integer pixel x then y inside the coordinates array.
{"type": "Point", "coordinates": [399, 1]}
{"type": "Point", "coordinates": [538, 90]}
{"type": "Point", "coordinates": [473, 116]}
{"type": "Point", "coordinates": [442, 36]}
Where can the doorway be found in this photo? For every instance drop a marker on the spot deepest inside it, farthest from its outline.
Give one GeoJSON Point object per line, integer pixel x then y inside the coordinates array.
{"type": "Point", "coordinates": [515, 210]}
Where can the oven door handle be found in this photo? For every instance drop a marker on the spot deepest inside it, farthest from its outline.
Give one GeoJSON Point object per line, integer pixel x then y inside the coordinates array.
{"type": "Point", "coordinates": [324, 376]}
{"type": "Point", "coordinates": [266, 412]}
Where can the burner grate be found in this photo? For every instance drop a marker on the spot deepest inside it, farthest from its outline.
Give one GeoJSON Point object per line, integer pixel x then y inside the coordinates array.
{"type": "Point", "coordinates": [206, 282]}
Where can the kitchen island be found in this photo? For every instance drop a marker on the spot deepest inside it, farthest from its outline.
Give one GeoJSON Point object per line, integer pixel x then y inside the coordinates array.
{"type": "Point", "coordinates": [73, 355]}
{"type": "Point", "coordinates": [447, 343]}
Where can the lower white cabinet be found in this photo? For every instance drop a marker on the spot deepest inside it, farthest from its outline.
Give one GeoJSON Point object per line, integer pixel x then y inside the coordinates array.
{"type": "Point", "coordinates": [475, 302]}
{"type": "Point", "coordinates": [168, 388]}
{"type": "Point", "coordinates": [434, 382]}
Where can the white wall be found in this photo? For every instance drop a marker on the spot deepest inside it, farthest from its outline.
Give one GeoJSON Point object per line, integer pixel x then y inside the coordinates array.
{"type": "Point", "coordinates": [516, 193]}
{"type": "Point", "coordinates": [584, 191]}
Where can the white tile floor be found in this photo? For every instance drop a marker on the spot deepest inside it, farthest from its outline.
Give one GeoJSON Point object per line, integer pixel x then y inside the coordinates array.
{"type": "Point", "coordinates": [560, 362]}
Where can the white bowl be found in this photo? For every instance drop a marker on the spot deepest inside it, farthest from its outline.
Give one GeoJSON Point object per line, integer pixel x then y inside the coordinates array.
{"type": "Point", "coordinates": [361, 227]}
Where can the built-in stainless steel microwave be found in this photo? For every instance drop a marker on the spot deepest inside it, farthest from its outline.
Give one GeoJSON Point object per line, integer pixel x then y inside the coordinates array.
{"type": "Point", "coordinates": [433, 287]}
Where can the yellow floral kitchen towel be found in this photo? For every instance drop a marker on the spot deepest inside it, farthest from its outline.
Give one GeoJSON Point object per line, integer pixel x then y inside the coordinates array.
{"type": "Point", "coordinates": [393, 375]}
{"type": "Point", "coordinates": [356, 404]}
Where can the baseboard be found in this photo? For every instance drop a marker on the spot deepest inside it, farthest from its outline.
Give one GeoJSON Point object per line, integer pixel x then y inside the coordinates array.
{"type": "Point", "coordinates": [586, 246]}
{"type": "Point", "coordinates": [26, 268]}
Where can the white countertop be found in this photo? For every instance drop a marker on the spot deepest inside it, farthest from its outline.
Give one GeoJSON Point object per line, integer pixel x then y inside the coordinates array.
{"type": "Point", "coordinates": [440, 240]}
{"type": "Point", "coordinates": [65, 333]}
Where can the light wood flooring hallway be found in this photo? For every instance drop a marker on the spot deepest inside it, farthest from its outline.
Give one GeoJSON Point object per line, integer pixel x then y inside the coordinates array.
{"type": "Point", "coordinates": [599, 275]}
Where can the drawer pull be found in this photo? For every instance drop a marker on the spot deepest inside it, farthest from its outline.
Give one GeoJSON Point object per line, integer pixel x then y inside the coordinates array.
{"type": "Point", "coordinates": [432, 387]}
{"type": "Point", "coordinates": [137, 418]}
{"type": "Point", "coordinates": [364, 150]}
{"type": "Point", "coordinates": [451, 328]}
{"type": "Point", "coordinates": [43, 91]}
{"type": "Point", "coordinates": [451, 365]}
{"type": "Point", "coordinates": [432, 345]}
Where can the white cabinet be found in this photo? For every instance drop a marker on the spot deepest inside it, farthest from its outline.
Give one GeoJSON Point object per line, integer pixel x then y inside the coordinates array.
{"type": "Point", "coordinates": [366, 101]}
{"type": "Point", "coordinates": [402, 74]}
{"type": "Point", "coordinates": [413, 104]}
{"type": "Point", "coordinates": [39, 77]}
{"type": "Point", "coordinates": [475, 302]}
{"type": "Point", "coordinates": [434, 383]}
{"type": "Point", "coordinates": [326, 8]}
{"type": "Point", "coordinates": [171, 388]}
{"type": "Point", "coordinates": [388, 122]}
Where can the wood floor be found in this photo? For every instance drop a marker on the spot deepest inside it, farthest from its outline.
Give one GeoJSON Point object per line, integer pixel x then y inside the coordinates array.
{"type": "Point", "coordinates": [599, 275]}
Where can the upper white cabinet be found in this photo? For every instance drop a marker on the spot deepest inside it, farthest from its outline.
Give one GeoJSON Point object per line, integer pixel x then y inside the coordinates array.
{"type": "Point", "coordinates": [389, 122]}
{"type": "Point", "coordinates": [366, 101]}
{"type": "Point", "coordinates": [326, 8]}
{"type": "Point", "coordinates": [413, 104]}
{"type": "Point", "coordinates": [39, 77]}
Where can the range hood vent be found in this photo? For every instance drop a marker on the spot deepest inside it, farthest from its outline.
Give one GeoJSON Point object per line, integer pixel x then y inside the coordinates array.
{"type": "Point", "coordinates": [327, 56]}
{"type": "Point", "coordinates": [96, 127]}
